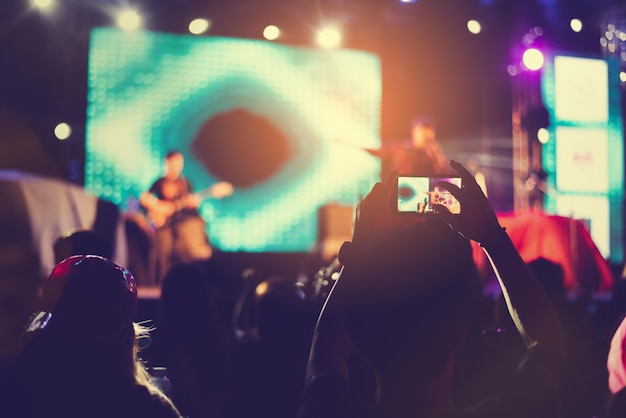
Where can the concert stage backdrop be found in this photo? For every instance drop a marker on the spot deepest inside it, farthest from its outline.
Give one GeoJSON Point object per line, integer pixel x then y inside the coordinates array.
{"type": "Point", "coordinates": [285, 125]}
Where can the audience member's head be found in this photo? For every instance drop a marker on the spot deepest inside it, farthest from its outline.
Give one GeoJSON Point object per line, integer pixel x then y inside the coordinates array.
{"type": "Point", "coordinates": [551, 277]}
{"type": "Point", "coordinates": [280, 306]}
{"type": "Point", "coordinates": [81, 242]}
{"type": "Point", "coordinates": [88, 306]}
{"type": "Point", "coordinates": [408, 305]}
{"type": "Point", "coordinates": [81, 356]}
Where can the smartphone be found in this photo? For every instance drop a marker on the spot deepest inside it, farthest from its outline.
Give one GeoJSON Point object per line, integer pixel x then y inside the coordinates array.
{"type": "Point", "coordinates": [417, 194]}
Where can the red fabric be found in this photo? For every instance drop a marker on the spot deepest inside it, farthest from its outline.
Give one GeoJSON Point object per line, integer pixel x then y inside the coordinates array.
{"type": "Point", "coordinates": [563, 240]}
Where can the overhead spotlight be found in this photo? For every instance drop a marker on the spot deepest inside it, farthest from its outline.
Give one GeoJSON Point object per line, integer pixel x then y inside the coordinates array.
{"type": "Point", "coordinates": [43, 5]}
{"type": "Point", "coordinates": [129, 20]}
{"type": "Point", "coordinates": [271, 32]}
{"type": "Point", "coordinates": [62, 131]}
{"type": "Point", "coordinates": [533, 59]}
{"type": "Point", "coordinates": [576, 25]}
{"type": "Point", "coordinates": [543, 135]}
{"type": "Point", "coordinates": [199, 26]}
{"type": "Point", "coordinates": [474, 26]}
{"type": "Point", "coordinates": [328, 38]}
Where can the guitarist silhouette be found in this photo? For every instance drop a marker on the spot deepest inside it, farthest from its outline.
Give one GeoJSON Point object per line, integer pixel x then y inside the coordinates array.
{"type": "Point", "coordinates": [173, 210]}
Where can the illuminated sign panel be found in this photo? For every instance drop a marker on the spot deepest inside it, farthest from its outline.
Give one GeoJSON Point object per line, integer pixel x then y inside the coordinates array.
{"type": "Point", "coordinates": [581, 160]}
{"type": "Point", "coordinates": [585, 161]}
{"type": "Point", "coordinates": [581, 89]}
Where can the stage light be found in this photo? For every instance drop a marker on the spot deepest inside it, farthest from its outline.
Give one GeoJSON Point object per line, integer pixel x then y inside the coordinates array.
{"type": "Point", "coordinates": [129, 20]}
{"type": "Point", "coordinates": [62, 131]}
{"type": "Point", "coordinates": [512, 70]}
{"type": "Point", "coordinates": [532, 59]}
{"type": "Point", "coordinates": [328, 38]}
{"type": "Point", "coordinates": [198, 26]}
{"type": "Point", "coordinates": [408, 1]}
{"type": "Point", "coordinates": [543, 135]}
{"type": "Point", "coordinates": [576, 25]}
{"type": "Point", "coordinates": [271, 32]}
{"type": "Point", "coordinates": [43, 5]}
{"type": "Point", "coordinates": [474, 26]}
{"type": "Point", "coordinates": [622, 77]}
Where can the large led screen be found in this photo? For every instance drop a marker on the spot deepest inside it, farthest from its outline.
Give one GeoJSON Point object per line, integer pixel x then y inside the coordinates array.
{"type": "Point", "coordinates": [287, 126]}
{"type": "Point", "coordinates": [584, 159]}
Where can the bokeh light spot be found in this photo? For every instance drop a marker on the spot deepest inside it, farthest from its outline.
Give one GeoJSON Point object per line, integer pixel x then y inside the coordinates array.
{"type": "Point", "coordinates": [533, 59]}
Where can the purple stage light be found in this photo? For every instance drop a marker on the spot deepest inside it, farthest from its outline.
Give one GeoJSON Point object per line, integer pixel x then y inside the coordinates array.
{"type": "Point", "coordinates": [533, 59]}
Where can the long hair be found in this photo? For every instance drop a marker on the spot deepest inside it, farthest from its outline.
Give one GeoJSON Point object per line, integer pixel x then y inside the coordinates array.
{"type": "Point", "coordinates": [140, 372]}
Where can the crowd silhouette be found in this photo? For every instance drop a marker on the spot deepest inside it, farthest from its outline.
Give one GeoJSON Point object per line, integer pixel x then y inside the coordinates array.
{"type": "Point", "coordinates": [397, 326]}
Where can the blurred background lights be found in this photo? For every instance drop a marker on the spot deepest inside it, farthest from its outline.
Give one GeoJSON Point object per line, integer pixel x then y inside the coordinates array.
{"type": "Point", "coordinates": [328, 38]}
{"type": "Point", "coordinates": [512, 70]}
{"type": "Point", "coordinates": [473, 26]}
{"type": "Point", "coordinates": [129, 20]}
{"type": "Point", "coordinates": [532, 59]}
{"type": "Point", "coordinates": [62, 131]}
{"type": "Point", "coordinates": [622, 77]}
{"type": "Point", "coordinates": [198, 26]}
{"type": "Point", "coordinates": [271, 32]}
{"type": "Point", "coordinates": [576, 25]}
{"type": "Point", "coordinates": [543, 135]}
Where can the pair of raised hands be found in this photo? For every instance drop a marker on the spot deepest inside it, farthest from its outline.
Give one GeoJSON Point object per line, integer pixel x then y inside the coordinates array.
{"type": "Point", "coordinates": [375, 214]}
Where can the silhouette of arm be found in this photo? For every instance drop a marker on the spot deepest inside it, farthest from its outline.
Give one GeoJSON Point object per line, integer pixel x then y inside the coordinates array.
{"type": "Point", "coordinates": [528, 304]}
{"type": "Point", "coordinates": [331, 345]}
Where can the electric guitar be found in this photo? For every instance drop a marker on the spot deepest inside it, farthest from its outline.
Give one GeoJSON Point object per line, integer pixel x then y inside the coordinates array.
{"type": "Point", "coordinates": [163, 210]}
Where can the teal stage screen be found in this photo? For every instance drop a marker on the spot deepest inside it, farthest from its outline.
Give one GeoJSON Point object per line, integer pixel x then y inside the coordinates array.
{"type": "Point", "coordinates": [584, 158]}
{"type": "Point", "coordinates": [285, 125]}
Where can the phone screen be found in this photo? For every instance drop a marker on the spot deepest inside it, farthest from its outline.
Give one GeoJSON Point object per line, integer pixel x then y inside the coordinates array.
{"type": "Point", "coordinates": [419, 194]}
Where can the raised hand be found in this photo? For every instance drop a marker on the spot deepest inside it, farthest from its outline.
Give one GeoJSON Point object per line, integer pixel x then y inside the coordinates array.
{"type": "Point", "coordinates": [375, 215]}
{"type": "Point", "coordinates": [477, 219]}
